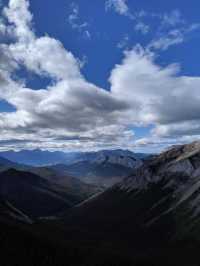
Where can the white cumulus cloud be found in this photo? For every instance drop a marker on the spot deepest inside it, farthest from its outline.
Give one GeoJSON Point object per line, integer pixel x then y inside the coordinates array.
{"type": "Point", "coordinates": [73, 113]}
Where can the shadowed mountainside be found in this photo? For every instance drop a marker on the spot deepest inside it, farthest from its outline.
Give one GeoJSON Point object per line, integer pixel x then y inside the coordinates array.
{"type": "Point", "coordinates": [151, 217]}
{"type": "Point", "coordinates": [37, 196]}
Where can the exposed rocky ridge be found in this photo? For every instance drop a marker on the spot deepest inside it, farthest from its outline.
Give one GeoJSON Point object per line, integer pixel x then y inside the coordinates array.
{"type": "Point", "coordinates": [177, 174]}
{"type": "Point", "coordinates": [183, 159]}
{"type": "Point", "coordinates": [158, 203]}
{"type": "Point", "coordinates": [120, 157]}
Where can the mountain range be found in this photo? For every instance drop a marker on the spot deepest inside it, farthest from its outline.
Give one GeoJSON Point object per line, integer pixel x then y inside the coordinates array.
{"type": "Point", "coordinates": [41, 157]}
{"type": "Point", "coordinates": [103, 168]}
{"type": "Point", "coordinates": [151, 217]}
{"type": "Point", "coordinates": [158, 203]}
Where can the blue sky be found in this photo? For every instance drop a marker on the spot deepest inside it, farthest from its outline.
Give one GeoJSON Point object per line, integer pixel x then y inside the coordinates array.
{"type": "Point", "coordinates": [97, 34]}
{"type": "Point", "coordinates": [107, 29]}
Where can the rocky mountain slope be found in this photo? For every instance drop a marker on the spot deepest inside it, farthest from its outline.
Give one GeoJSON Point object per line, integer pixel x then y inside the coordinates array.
{"type": "Point", "coordinates": [103, 168]}
{"type": "Point", "coordinates": [152, 217]}
{"type": "Point", "coordinates": [156, 205]}
{"type": "Point", "coordinates": [124, 158]}
{"type": "Point", "coordinates": [97, 173]}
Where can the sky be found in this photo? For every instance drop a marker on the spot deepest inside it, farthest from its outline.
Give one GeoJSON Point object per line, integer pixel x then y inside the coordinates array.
{"type": "Point", "coordinates": [86, 75]}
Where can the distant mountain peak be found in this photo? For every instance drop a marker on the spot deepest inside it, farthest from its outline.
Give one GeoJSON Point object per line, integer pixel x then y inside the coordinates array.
{"type": "Point", "coordinates": [39, 157]}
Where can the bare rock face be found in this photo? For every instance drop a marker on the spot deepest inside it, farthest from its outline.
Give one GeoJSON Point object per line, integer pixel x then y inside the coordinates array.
{"type": "Point", "coordinates": [176, 170]}
{"type": "Point", "coordinates": [158, 203]}
{"type": "Point", "coordinates": [184, 159]}
{"type": "Point", "coordinates": [120, 157]}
